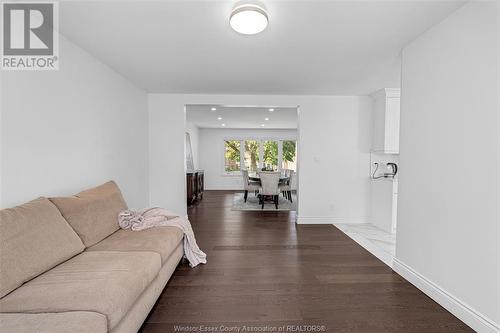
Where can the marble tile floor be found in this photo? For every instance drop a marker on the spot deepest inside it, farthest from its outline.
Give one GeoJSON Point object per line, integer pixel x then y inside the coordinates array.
{"type": "Point", "coordinates": [376, 241]}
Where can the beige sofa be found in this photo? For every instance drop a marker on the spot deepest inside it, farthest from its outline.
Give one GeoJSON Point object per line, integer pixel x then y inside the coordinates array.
{"type": "Point", "coordinates": [66, 266]}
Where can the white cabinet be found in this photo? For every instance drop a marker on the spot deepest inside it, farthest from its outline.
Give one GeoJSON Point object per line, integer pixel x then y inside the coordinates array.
{"type": "Point", "coordinates": [385, 118]}
{"type": "Point", "coordinates": [394, 218]}
{"type": "Point", "coordinates": [384, 205]}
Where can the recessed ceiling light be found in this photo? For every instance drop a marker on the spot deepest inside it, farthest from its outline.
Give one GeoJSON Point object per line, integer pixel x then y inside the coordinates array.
{"type": "Point", "coordinates": [271, 110]}
{"type": "Point", "coordinates": [213, 109]}
{"type": "Point", "coordinates": [266, 118]}
{"type": "Point", "coordinates": [223, 125]}
{"type": "Point", "coordinates": [219, 118]}
{"type": "Point", "coordinates": [262, 125]}
{"type": "Point", "coordinates": [248, 19]}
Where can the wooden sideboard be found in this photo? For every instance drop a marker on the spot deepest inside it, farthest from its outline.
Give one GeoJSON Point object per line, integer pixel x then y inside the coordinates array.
{"type": "Point", "coordinates": [194, 186]}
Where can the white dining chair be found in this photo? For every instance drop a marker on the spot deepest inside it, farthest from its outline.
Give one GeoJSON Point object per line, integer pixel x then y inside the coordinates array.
{"type": "Point", "coordinates": [286, 173]}
{"type": "Point", "coordinates": [269, 186]}
{"type": "Point", "coordinates": [286, 188]}
{"type": "Point", "coordinates": [248, 185]}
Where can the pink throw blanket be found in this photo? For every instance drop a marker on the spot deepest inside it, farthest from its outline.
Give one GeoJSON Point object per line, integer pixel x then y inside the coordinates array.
{"type": "Point", "coordinates": [159, 217]}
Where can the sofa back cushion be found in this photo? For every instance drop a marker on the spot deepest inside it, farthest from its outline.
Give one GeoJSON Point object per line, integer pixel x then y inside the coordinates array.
{"type": "Point", "coordinates": [93, 213]}
{"type": "Point", "coordinates": [34, 237]}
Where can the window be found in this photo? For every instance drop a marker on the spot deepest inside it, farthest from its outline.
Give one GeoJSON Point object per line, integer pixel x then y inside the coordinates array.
{"type": "Point", "coordinates": [270, 158]}
{"type": "Point", "coordinates": [289, 155]}
{"type": "Point", "coordinates": [232, 156]}
{"type": "Point", "coordinates": [254, 155]}
{"type": "Point", "coordinates": [251, 157]}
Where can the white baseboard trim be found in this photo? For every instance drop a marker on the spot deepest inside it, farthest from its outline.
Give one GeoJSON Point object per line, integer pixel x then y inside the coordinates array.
{"type": "Point", "coordinates": [330, 220]}
{"type": "Point", "coordinates": [461, 310]}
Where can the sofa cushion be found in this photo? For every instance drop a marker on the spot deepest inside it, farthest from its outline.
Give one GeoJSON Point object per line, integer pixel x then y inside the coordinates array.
{"type": "Point", "coordinates": [63, 322]}
{"type": "Point", "coordinates": [34, 238]}
{"type": "Point", "coordinates": [93, 213]}
{"type": "Point", "coordinates": [102, 282]}
{"type": "Point", "coordinates": [162, 240]}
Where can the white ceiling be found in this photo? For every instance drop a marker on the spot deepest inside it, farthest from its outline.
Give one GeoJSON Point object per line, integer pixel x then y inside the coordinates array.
{"type": "Point", "coordinates": [310, 47]}
{"type": "Point", "coordinates": [241, 117]}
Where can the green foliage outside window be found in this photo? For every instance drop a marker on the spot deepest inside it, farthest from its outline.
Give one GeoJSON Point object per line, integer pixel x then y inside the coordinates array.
{"type": "Point", "coordinates": [252, 151]}
{"type": "Point", "coordinates": [289, 151]}
{"type": "Point", "coordinates": [232, 155]}
{"type": "Point", "coordinates": [271, 153]}
{"type": "Point", "coordinates": [252, 155]}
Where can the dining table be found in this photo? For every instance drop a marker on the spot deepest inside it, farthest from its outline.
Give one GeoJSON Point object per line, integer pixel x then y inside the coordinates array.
{"type": "Point", "coordinates": [255, 178]}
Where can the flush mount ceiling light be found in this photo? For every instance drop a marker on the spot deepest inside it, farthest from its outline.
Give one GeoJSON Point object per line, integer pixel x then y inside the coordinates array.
{"type": "Point", "coordinates": [213, 109]}
{"type": "Point", "coordinates": [248, 19]}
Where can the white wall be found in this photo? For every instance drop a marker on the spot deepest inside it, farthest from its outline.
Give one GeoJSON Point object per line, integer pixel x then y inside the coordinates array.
{"type": "Point", "coordinates": [212, 153]}
{"type": "Point", "coordinates": [64, 131]}
{"type": "Point", "coordinates": [448, 235]}
{"type": "Point", "coordinates": [334, 142]}
{"type": "Point", "coordinates": [194, 131]}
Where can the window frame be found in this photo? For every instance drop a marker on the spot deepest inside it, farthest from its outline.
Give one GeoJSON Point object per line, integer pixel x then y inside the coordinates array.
{"type": "Point", "coordinates": [261, 151]}
{"type": "Point", "coordinates": [224, 172]}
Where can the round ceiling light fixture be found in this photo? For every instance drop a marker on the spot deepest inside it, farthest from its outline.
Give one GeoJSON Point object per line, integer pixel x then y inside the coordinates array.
{"type": "Point", "coordinates": [248, 19]}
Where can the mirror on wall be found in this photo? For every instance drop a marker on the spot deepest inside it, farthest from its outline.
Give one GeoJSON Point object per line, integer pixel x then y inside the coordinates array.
{"type": "Point", "coordinates": [189, 153]}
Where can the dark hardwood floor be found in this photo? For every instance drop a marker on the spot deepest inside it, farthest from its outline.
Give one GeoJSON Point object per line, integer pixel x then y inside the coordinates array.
{"type": "Point", "coordinates": [264, 270]}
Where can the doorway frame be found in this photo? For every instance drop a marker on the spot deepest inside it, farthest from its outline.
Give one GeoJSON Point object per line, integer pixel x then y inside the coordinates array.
{"type": "Point", "coordinates": [264, 106]}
